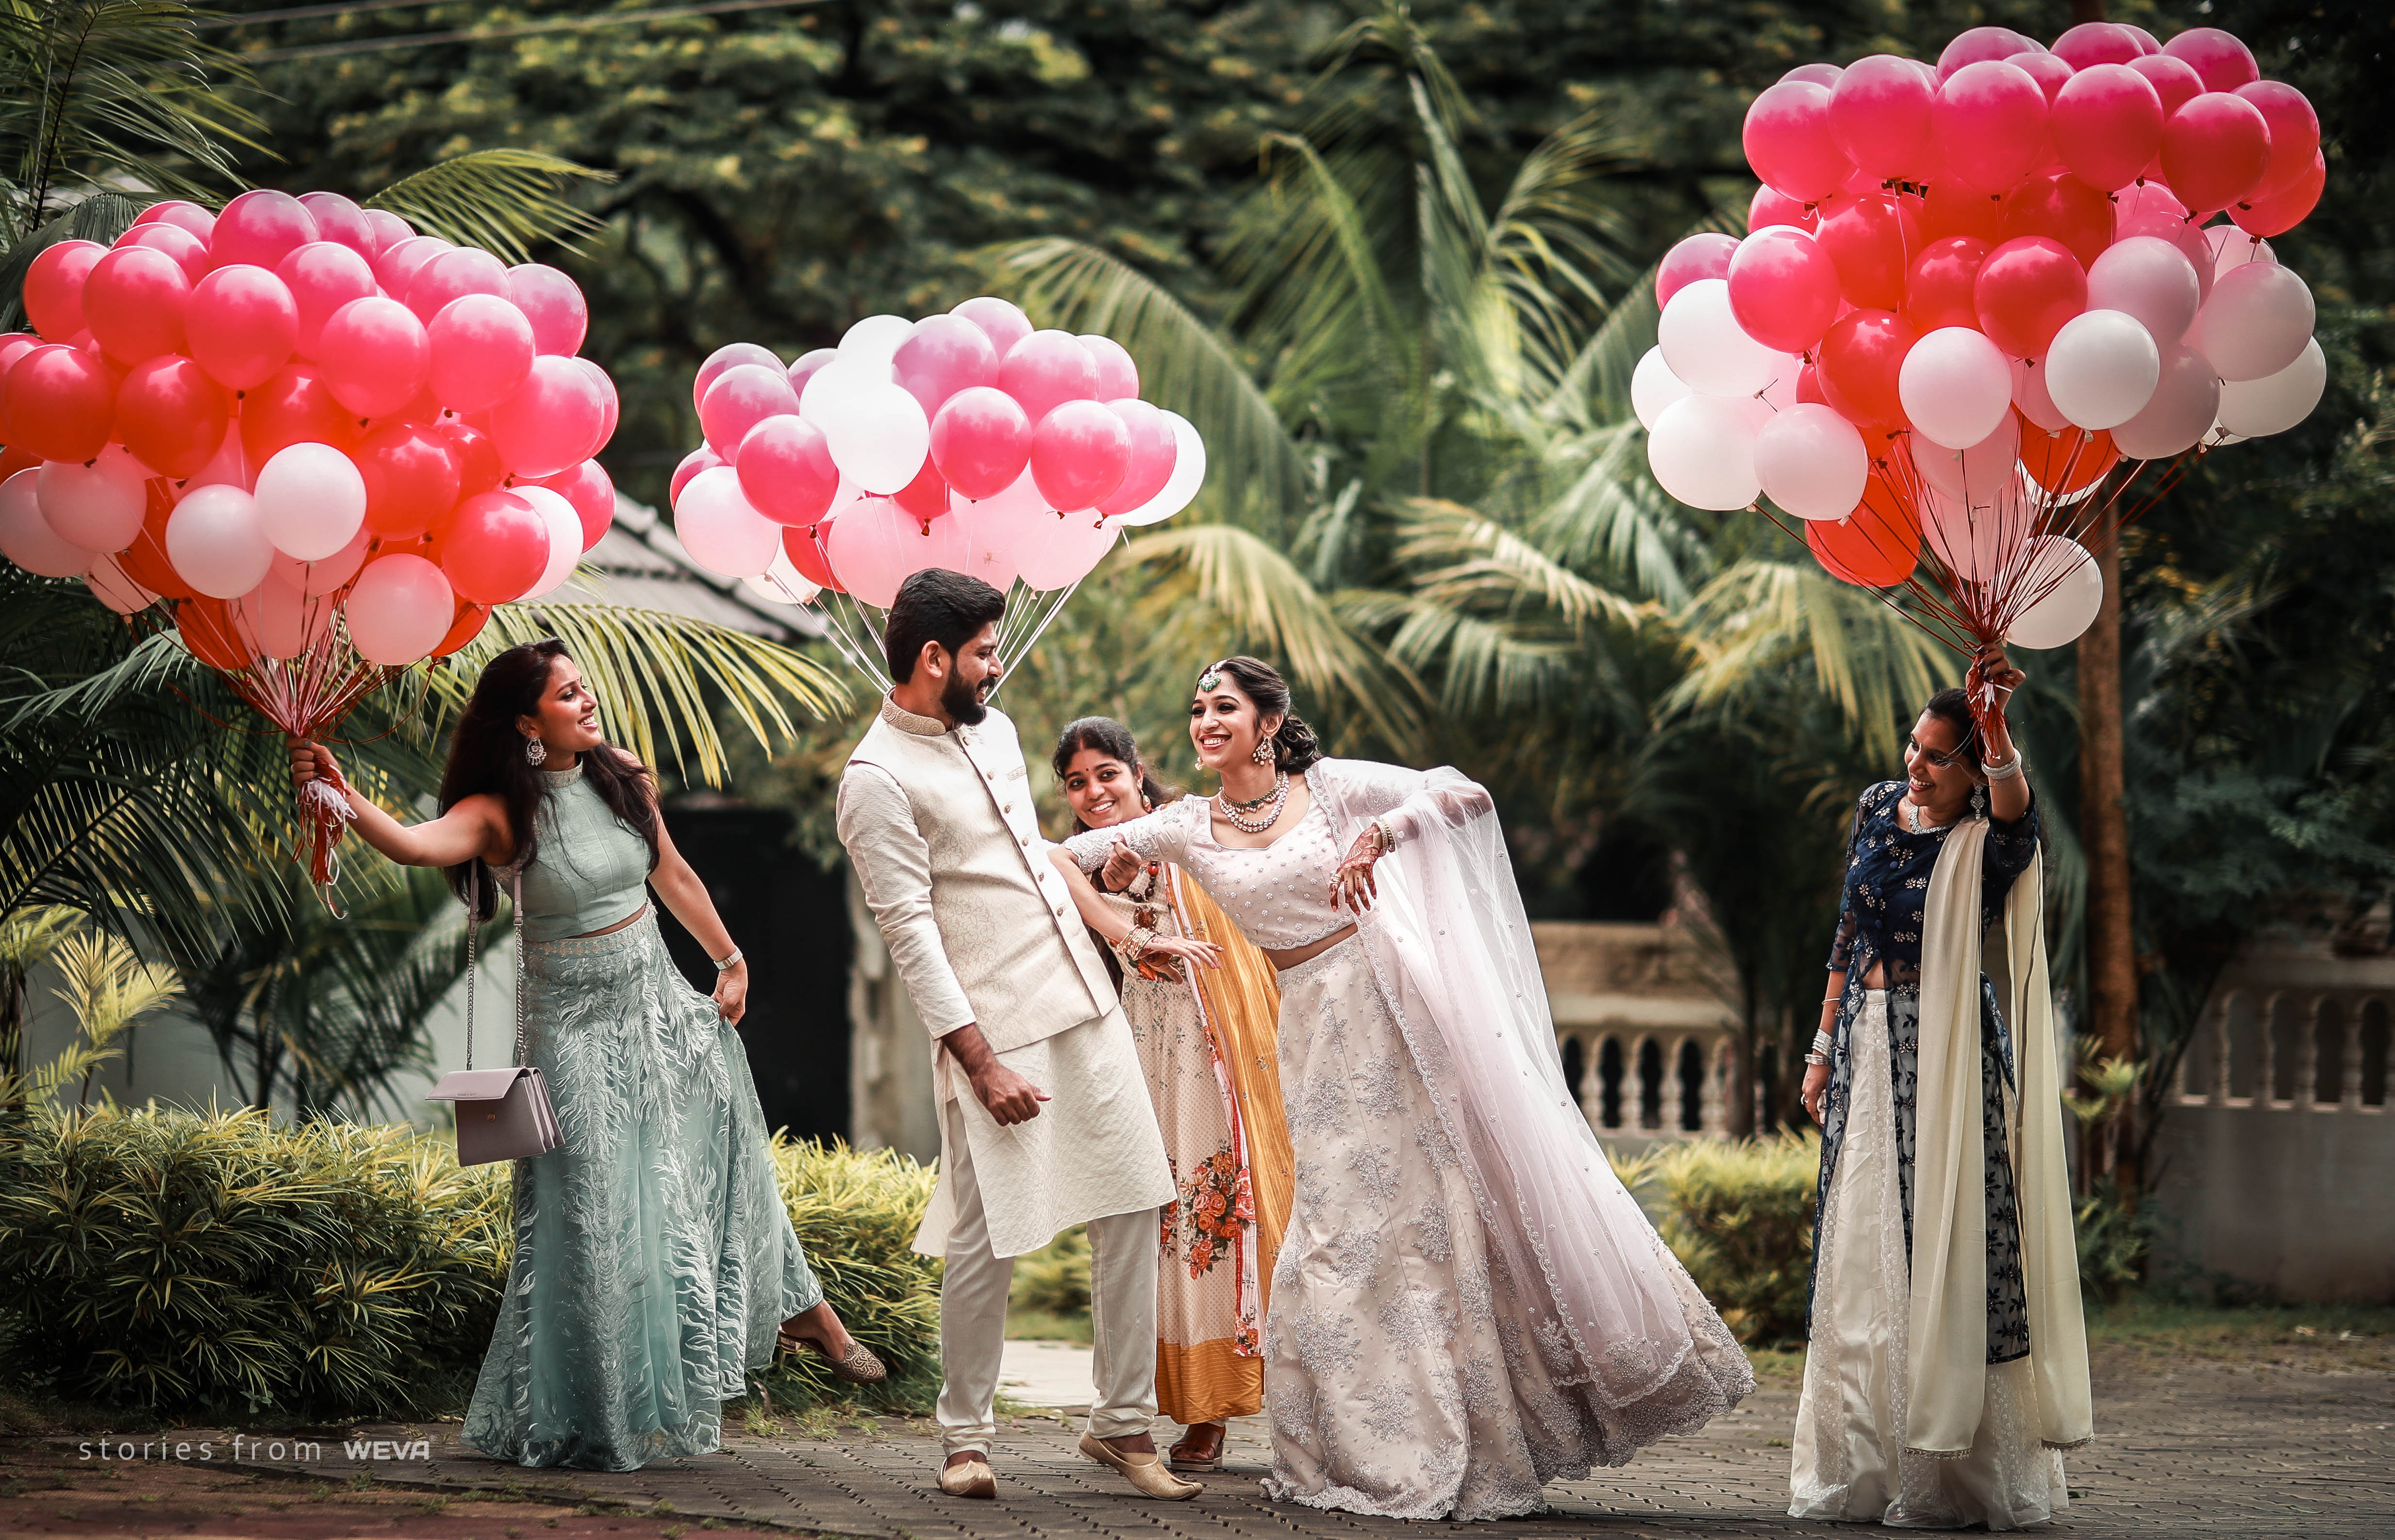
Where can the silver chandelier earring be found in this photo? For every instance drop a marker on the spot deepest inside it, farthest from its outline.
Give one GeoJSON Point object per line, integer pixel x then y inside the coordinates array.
{"type": "Point", "coordinates": [1979, 801]}
{"type": "Point", "coordinates": [535, 752]}
{"type": "Point", "coordinates": [1266, 751]}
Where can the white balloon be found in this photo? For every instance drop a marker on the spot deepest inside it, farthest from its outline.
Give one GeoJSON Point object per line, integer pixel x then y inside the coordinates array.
{"type": "Point", "coordinates": [1180, 489]}
{"type": "Point", "coordinates": [1780, 393]}
{"type": "Point", "coordinates": [1812, 462]}
{"type": "Point", "coordinates": [2256, 322]}
{"type": "Point", "coordinates": [2185, 401]}
{"type": "Point", "coordinates": [2220, 436]}
{"type": "Point", "coordinates": [2030, 395]}
{"type": "Point", "coordinates": [832, 389]}
{"type": "Point", "coordinates": [2070, 589]}
{"type": "Point", "coordinates": [875, 339]}
{"type": "Point", "coordinates": [879, 438]}
{"type": "Point", "coordinates": [2232, 247]}
{"type": "Point", "coordinates": [2102, 368]}
{"type": "Point", "coordinates": [1705, 346]}
{"type": "Point", "coordinates": [26, 537]}
{"type": "Point", "coordinates": [399, 610]}
{"type": "Point", "coordinates": [2249, 408]}
{"type": "Point", "coordinates": [1974, 542]}
{"type": "Point", "coordinates": [98, 505]}
{"type": "Point", "coordinates": [2147, 277]}
{"type": "Point", "coordinates": [1702, 452]}
{"type": "Point", "coordinates": [720, 529]}
{"type": "Point", "coordinates": [1955, 386]}
{"type": "Point", "coordinates": [1653, 386]}
{"type": "Point", "coordinates": [113, 586]}
{"type": "Point", "coordinates": [564, 535]}
{"type": "Point", "coordinates": [783, 583]}
{"type": "Point", "coordinates": [1977, 475]}
{"type": "Point", "coordinates": [218, 542]}
{"type": "Point", "coordinates": [311, 501]}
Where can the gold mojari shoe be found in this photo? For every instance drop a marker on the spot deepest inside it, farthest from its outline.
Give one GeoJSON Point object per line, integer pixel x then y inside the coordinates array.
{"type": "Point", "coordinates": [1147, 1473]}
{"type": "Point", "coordinates": [969, 1478]}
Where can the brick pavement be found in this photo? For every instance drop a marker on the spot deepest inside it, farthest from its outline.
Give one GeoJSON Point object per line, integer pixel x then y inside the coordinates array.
{"type": "Point", "coordinates": [2199, 1449]}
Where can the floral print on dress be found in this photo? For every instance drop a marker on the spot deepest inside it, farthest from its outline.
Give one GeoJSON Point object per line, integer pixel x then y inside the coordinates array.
{"type": "Point", "coordinates": [1214, 1215]}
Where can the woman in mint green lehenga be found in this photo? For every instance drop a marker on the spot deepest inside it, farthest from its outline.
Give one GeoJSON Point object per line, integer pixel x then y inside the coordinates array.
{"type": "Point", "coordinates": [655, 1263]}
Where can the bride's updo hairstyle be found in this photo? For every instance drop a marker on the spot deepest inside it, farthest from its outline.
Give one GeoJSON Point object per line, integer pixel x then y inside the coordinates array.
{"type": "Point", "coordinates": [1259, 682]}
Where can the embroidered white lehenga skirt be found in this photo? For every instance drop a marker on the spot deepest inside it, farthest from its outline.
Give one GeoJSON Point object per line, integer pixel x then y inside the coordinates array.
{"type": "Point", "coordinates": [1849, 1461]}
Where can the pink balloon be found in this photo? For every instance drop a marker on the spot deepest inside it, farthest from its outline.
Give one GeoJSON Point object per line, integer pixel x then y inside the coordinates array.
{"type": "Point", "coordinates": [1694, 257]}
{"type": "Point", "coordinates": [282, 621]}
{"type": "Point", "coordinates": [183, 216]}
{"type": "Point", "coordinates": [1983, 44]}
{"type": "Point", "coordinates": [374, 355]}
{"type": "Point", "coordinates": [482, 348]}
{"type": "Point", "coordinates": [1783, 289]}
{"type": "Point", "coordinates": [871, 546]}
{"type": "Point", "coordinates": [721, 530]}
{"type": "Point", "coordinates": [1818, 74]}
{"type": "Point", "coordinates": [809, 363]}
{"type": "Point", "coordinates": [259, 229]}
{"type": "Point", "coordinates": [1991, 124]}
{"type": "Point", "coordinates": [591, 493]}
{"type": "Point", "coordinates": [113, 586]}
{"type": "Point", "coordinates": [742, 397]}
{"type": "Point", "coordinates": [242, 324]}
{"type": "Point", "coordinates": [397, 265]}
{"type": "Point", "coordinates": [453, 274]}
{"type": "Point", "coordinates": [399, 610]}
{"type": "Point", "coordinates": [2223, 62]}
{"type": "Point", "coordinates": [981, 441]}
{"type": "Point", "coordinates": [2216, 151]}
{"type": "Point", "coordinates": [53, 291]}
{"type": "Point", "coordinates": [342, 222]}
{"type": "Point", "coordinates": [189, 251]}
{"type": "Point", "coordinates": [26, 537]}
{"type": "Point", "coordinates": [61, 402]}
{"type": "Point", "coordinates": [730, 356]}
{"type": "Point", "coordinates": [1879, 114]}
{"type": "Point", "coordinates": [701, 459]}
{"type": "Point", "coordinates": [943, 355]}
{"type": "Point", "coordinates": [2051, 74]}
{"type": "Point", "coordinates": [97, 507]}
{"type": "Point", "coordinates": [324, 576]}
{"type": "Point", "coordinates": [1117, 375]}
{"type": "Point", "coordinates": [553, 422]}
{"type": "Point", "coordinates": [2294, 137]}
{"type": "Point", "coordinates": [787, 470]}
{"type": "Point", "coordinates": [1789, 142]}
{"type": "Point", "coordinates": [1154, 451]}
{"type": "Point", "coordinates": [1080, 454]}
{"type": "Point", "coordinates": [2174, 80]}
{"type": "Point", "coordinates": [554, 304]}
{"type": "Point", "coordinates": [609, 406]}
{"type": "Point", "coordinates": [2108, 124]}
{"type": "Point", "coordinates": [495, 549]}
{"type": "Point", "coordinates": [1003, 321]}
{"type": "Point", "coordinates": [389, 228]}
{"type": "Point", "coordinates": [2094, 43]}
{"type": "Point", "coordinates": [322, 276]}
{"type": "Point", "coordinates": [135, 298]}
{"type": "Point", "coordinates": [1047, 369]}
{"type": "Point", "coordinates": [1769, 206]}
{"type": "Point", "coordinates": [2150, 280]}
{"type": "Point", "coordinates": [1071, 550]}
{"type": "Point", "coordinates": [2283, 211]}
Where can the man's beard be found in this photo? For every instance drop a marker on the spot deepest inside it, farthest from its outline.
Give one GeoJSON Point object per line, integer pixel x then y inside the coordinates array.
{"type": "Point", "coordinates": [963, 701]}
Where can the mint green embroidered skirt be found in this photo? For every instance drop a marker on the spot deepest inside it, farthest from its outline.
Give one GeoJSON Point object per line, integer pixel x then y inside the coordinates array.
{"type": "Point", "coordinates": [654, 1260]}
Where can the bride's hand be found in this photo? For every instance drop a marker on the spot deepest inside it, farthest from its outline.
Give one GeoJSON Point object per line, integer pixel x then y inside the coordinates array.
{"type": "Point", "coordinates": [1203, 953]}
{"type": "Point", "coordinates": [1353, 884]}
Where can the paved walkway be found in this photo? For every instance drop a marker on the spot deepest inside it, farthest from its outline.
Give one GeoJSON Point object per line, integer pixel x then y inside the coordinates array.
{"type": "Point", "coordinates": [2201, 1450]}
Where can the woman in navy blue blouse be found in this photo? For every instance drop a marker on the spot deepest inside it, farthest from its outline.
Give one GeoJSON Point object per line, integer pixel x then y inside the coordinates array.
{"type": "Point", "coordinates": [1850, 1462]}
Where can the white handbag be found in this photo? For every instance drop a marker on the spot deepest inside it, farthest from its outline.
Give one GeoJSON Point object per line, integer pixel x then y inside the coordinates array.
{"type": "Point", "coordinates": [502, 1115]}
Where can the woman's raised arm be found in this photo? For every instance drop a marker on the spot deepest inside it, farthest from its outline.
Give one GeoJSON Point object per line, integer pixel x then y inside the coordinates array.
{"type": "Point", "coordinates": [475, 827]}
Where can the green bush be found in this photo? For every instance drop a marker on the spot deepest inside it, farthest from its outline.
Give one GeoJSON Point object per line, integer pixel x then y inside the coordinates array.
{"type": "Point", "coordinates": [1738, 1214]}
{"type": "Point", "coordinates": [215, 1263]}
{"type": "Point", "coordinates": [1055, 1278]}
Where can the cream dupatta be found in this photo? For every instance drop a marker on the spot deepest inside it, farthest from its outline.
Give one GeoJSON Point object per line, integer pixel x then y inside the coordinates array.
{"type": "Point", "coordinates": [1946, 1382]}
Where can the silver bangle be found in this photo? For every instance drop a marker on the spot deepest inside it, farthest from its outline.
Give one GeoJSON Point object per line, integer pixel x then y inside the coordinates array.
{"type": "Point", "coordinates": [722, 964]}
{"type": "Point", "coordinates": [2005, 772]}
{"type": "Point", "coordinates": [1822, 1041]}
{"type": "Point", "coordinates": [1817, 1058]}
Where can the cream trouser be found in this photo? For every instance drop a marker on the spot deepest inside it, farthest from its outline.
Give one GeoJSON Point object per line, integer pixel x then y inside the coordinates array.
{"type": "Point", "coordinates": [973, 1316]}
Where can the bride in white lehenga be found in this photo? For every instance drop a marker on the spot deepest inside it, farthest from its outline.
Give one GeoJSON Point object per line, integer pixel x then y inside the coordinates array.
{"type": "Point", "coordinates": [1467, 1305]}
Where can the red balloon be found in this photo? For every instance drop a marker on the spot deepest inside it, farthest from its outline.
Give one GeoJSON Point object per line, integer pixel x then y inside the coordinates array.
{"type": "Point", "coordinates": [13, 460]}
{"type": "Point", "coordinates": [806, 367]}
{"type": "Point", "coordinates": [411, 472]}
{"type": "Point", "coordinates": [701, 459]}
{"type": "Point", "coordinates": [452, 273]}
{"type": "Point", "coordinates": [479, 468]}
{"type": "Point", "coordinates": [2051, 74]}
{"type": "Point", "coordinates": [926, 497]}
{"type": "Point", "coordinates": [1808, 388]}
{"type": "Point", "coordinates": [2060, 206]}
{"type": "Point", "coordinates": [2216, 150]}
{"type": "Point", "coordinates": [554, 421]}
{"type": "Point", "coordinates": [62, 402]}
{"type": "Point", "coordinates": [495, 549]}
{"type": "Point", "coordinates": [742, 397]}
{"type": "Point", "coordinates": [145, 561]}
{"type": "Point", "coordinates": [2174, 80]}
{"type": "Point", "coordinates": [389, 228]}
{"type": "Point", "coordinates": [1879, 114]}
{"type": "Point", "coordinates": [172, 417]}
{"type": "Point", "coordinates": [1117, 375]}
{"type": "Point", "coordinates": [189, 251]}
{"type": "Point", "coordinates": [322, 276]}
{"type": "Point", "coordinates": [295, 406]}
{"type": "Point", "coordinates": [2278, 215]}
{"type": "Point", "coordinates": [981, 441]}
{"type": "Point", "coordinates": [1769, 206]}
{"type": "Point", "coordinates": [1990, 122]}
{"type": "Point", "coordinates": [207, 628]}
{"type": "Point", "coordinates": [53, 293]}
{"type": "Point", "coordinates": [731, 355]}
{"type": "Point", "coordinates": [592, 491]}
{"type": "Point", "coordinates": [1790, 144]}
{"type": "Point", "coordinates": [1876, 547]}
{"type": "Point", "coordinates": [482, 348]}
{"type": "Point", "coordinates": [471, 618]}
{"type": "Point", "coordinates": [1938, 291]}
{"type": "Point", "coordinates": [785, 469]}
{"type": "Point", "coordinates": [554, 304]}
{"type": "Point", "coordinates": [1954, 209]}
{"type": "Point", "coordinates": [341, 222]}
{"type": "Point", "coordinates": [2093, 43]}
{"type": "Point", "coordinates": [1858, 363]}
{"type": "Point", "coordinates": [2026, 290]}
{"type": "Point", "coordinates": [2294, 136]}
{"type": "Point", "coordinates": [135, 298]}
{"type": "Point", "coordinates": [1154, 451]}
{"type": "Point", "coordinates": [943, 355]}
{"type": "Point", "coordinates": [2220, 58]}
{"type": "Point", "coordinates": [1080, 454]}
{"type": "Point", "coordinates": [2108, 124]}
{"type": "Point", "coordinates": [397, 264]}
{"type": "Point", "coordinates": [1045, 370]}
{"type": "Point", "coordinates": [376, 355]}
{"type": "Point", "coordinates": [189, 217]}
{"type": "Point", "coordinates": [2067, 461]}
{"type": "Point", "coordinates": [805, 550]}
{"type": "Point", "coordinates": [242, 324]}
{"type": "Point", "coordinates": [259, 229]}
{"type": "Point", "coordinates": [1783, 289]}
{"type": "Point", "coordinates": [1002, 319]}
{"type": "Point", "coordinates": [1981, 44]}
{"type": "Point", "coordinates": [1872, 240]}
{"type": "Point", "coordinates": [1696, 256]}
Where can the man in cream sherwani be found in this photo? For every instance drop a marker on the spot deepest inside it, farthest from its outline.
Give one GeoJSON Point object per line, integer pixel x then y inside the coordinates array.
{"type": "Point", "coordinates": [1045, 1120]}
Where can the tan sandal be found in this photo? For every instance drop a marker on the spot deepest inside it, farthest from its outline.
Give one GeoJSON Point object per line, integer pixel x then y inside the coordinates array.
{"type": "Point", "coordinates": [1147, 1473]}
{"type": "Point", "coordinates": [860, 1367]}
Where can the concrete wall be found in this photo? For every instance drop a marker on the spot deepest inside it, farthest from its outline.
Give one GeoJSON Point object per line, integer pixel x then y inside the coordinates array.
{"type": "Point", "coordinates": [2292, 1201]}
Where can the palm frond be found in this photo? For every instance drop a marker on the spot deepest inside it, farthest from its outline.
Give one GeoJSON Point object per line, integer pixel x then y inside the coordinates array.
{"type": "Point", "coordinates": [505, 201]}
{"type": "Point", "coordinates": [1461, 554]}
{"type": "Point", "coordinates": [102, 216]}
{"type": "Point", "coordinates": [1612, 517]}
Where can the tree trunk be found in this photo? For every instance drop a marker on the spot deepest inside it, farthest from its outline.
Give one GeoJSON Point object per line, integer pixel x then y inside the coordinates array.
{"type": "Point", "coordinates": [2084, 11]}
{"type": "Point", "coordinates": [2104, 834]}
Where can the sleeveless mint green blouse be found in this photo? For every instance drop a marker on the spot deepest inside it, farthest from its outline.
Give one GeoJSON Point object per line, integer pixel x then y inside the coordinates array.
{"type": "Point", "coordinates": [591, 870]}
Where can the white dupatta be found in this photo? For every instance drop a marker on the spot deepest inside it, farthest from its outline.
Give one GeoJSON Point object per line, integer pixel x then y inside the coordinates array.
{"type": "Point", "coordinates": [1947, 1381]}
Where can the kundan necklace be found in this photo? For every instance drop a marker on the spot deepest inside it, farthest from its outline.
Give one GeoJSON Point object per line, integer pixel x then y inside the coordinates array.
{"type": "Point", "coordinates": [1273, 800]}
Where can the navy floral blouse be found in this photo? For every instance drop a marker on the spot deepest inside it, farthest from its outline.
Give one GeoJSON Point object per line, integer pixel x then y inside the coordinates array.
{"type": "Point", "coordinates": [1887, 883]}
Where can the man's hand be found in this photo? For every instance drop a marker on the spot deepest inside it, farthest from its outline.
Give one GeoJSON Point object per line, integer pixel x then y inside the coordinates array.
{"type": "Point", "coordinates": [1009, 1098]}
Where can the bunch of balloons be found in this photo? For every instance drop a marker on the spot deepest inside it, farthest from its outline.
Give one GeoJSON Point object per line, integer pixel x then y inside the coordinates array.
{"type": "Point", "coordinates": [1971, 289]}
{"type": "Point", "coordinates": [967, 440]}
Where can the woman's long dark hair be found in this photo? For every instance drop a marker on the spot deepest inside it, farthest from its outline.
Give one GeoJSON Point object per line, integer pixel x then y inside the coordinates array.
{"type": "Point", "coordinates": [1261, 683]}
{"type": "Point", "coordinates": [487, 756]}
{"type": "Point", "coordinates": [1113, 739]}
{"type": "Point", "coordinates": [1953, 705]}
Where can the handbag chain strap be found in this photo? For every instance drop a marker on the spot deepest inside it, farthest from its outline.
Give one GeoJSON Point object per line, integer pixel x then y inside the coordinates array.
{"type": "Point", "coordinates": [516, 878]}
{"type": "Point", "coordinates": [473, 934]}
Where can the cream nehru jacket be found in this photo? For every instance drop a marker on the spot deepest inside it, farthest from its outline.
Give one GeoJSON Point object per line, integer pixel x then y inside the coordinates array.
{"type": "Point", "coordinates": [940, 826]}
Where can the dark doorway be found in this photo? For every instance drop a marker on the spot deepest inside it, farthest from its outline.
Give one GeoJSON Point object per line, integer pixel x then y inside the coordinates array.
{"type": "Point", "coordinates": [790, 917]}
